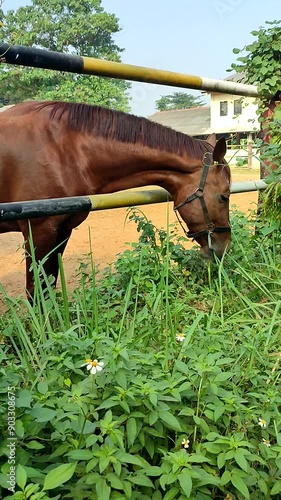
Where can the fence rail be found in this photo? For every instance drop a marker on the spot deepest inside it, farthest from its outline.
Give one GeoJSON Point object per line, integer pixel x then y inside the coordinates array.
{"type": "Point", "coordinates": [38, 58]}
{"type": "Point", "coordinates": [59, 206]}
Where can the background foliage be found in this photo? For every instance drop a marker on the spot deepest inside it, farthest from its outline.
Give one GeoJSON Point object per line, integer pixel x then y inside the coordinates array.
{"type": "Point", "coordinates": [260, 60]}
{"type": "Point", "coordinates": [166, 418]}
{"type": "Point", "coordinates": [260, 63]}
{"type": "Point", "coordinates": [70, 26]}
{"type": "Point", "coordinates": [178, 100]}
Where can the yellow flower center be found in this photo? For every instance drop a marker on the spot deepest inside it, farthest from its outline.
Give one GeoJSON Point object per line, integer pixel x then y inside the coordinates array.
{"type": "Point", "coordinates": [94, 363]}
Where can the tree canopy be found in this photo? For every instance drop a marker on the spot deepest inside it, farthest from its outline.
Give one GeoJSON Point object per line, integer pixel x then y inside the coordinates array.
{"type": "Point", "coordinates": [178, 100]}
{"type": "Point", "coordinates": [260, 63]}
{"type": "Point", "coordinates": [69, 26]}
{"type": "Point", "coordinates": [260, 60]}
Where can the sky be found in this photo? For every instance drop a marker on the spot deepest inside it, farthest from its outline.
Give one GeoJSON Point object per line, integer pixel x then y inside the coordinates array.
{"type": "Point", "coordinates": [195, 37]}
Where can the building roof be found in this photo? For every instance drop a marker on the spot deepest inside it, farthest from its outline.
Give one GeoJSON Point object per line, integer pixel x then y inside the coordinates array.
{"type": "Point", "coordinates": [191, 121]}
{"type": "Point", "coordinates": [237, 78]}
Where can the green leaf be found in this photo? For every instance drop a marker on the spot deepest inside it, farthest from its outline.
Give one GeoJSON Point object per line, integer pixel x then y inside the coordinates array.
{"type": "Point", "coordinates": [107, 419]}
{"type": "Point", "coordinates": [156, 495]}
{"type": "Point", "coordinates": [24, 398]}
{"type": "Point", "coordinates": [219, 410]}
{"type": "Point", "coordinates": [153, 399]}
{"type": "Point", "coordinates": [172, 493]}
{"type": "Point", "coordinates": [197, 458]}
{"type": "Point", "coordinates": [103, 490]}
{"type": "Point", "coordinates": [170, 420]}
{"type": "Point", "coordinates": [42, 414]}
{"type": "Point", "coordinates": [224, 361]}
{"type": "Point", "coordinates": [212, 436]}
{"type": "Point", "coordinates": [58, 476]}
{"type": "Point", "coordinates": [131, 427]}
{"type": "Point", "coordinates": [92, 464]}
{"type": "Point", "coordinates": [150, 446]}
{"type": "Point", "coordinates": [153, 470]}
{"type": "Point", "coordinates": [80, 455]}
{"type": "Point", "coordinates": [121, 378]}
{"type": "Point", "coordinates": [189, 412]}
{"type": "Point", "coordinates": [42, 387]}
{"type": "Point", "coordinates": [115, 481]}
{"type": "Point", "coordinates": [236, 51]}
{"type": "Point", "coordinates": [30, 490]}
{"type": "Point", "coordinates": [239, 484]}
{"type": "Point", "coordinates": [201, 422]}
{"type": "Point", "coordinates": [127, 458]}
{"type": "Point", "coordinates": [222, 377]}
{"type": "Point", "coordinates": [229, 454]}
{"type": "Point", "coordinates": [21, 476]}
{"type": "Point", "coordinates": [108, 403]}
{"type": "Point", "coordinates": [141, 481]}
{"type": "Point", "coordinates": [103, 464]}
{"type": "Point", "coordinates": [240, 460]}
{"type": "Point", "coordinates": [212, 448]}
{"type": "Point", "coordinates": [186, 482]}
{"type": "Point", "coordinates": [226, 477]}
{"type": "Point", "coordinates": [276, 488]}
{"type": "Point", "coordinates": [128, 489]}
{"type": "Point", "coordinates": [34, 445]}
{"type": "Point", "coordinates": [221, 460]}
{"type": "Point", "coordinates": [19, 428]}
{"type": "Point", "coordinates": [60, 450]}
{"type": "Point", "coordinates": [182, 367]}
{"type": "Point", "coordinates": [153, 417]}
{"type": "Point", "coordinates": [263, 487]}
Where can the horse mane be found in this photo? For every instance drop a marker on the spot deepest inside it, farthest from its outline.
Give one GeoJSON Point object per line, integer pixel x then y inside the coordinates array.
{"type": "Point", "coordinates": [123, 127]}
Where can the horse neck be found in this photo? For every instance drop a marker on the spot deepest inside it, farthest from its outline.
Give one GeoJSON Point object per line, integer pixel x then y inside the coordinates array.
{"type": "Point", "coordinates": [129, 166]}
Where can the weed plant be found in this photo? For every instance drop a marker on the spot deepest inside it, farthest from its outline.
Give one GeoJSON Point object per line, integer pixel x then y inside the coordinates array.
{"type": "Point", "coordinates": [158, 380]}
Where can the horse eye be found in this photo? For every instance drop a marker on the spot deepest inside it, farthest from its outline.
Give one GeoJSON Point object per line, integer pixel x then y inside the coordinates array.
{"type": "Point", "coordinates": [223, 198]}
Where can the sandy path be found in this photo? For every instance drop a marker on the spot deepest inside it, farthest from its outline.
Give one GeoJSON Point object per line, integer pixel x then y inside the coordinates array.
{"type": "Point", "coordinates": [108, 235]}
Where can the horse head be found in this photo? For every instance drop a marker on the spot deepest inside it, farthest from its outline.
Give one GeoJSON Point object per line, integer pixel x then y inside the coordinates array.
{"type": "Point", "coordinates": [204, 203]}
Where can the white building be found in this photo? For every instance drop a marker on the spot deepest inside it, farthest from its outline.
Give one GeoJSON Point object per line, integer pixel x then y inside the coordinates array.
{"type": "Point", "coordinates": [228, 116]}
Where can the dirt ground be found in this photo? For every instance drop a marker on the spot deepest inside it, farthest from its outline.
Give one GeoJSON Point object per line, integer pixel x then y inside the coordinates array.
{"type": "Point", "coordinates": [109, 235]}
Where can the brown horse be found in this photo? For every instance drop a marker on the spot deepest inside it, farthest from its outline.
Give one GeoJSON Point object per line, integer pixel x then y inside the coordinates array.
{"type": "Point", "coordinates": [58, 149]}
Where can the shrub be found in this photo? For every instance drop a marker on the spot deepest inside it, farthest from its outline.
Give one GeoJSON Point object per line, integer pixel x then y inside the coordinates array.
{"type": "Point", "coordinates": [185, 400]}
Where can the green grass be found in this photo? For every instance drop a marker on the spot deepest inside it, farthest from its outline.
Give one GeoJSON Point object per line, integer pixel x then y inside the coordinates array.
{"type": "Point", "coordinates": [119, 433]}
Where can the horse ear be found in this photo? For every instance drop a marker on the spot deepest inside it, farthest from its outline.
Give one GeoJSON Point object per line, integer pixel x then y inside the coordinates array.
{"type": "Point", "coordinates": [219, 150]}
{"type": "Point", "coordinates": [211, 139]}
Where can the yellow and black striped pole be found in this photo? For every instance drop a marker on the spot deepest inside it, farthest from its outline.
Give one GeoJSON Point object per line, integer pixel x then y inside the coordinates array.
{"type": "Point", "coordinates": [38, 58]}
{"type": "Point", "coordinates": [72, 205]}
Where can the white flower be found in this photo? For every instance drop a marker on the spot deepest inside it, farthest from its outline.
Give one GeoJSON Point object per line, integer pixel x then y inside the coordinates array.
{"type": "Point", "coordinates": [180, 337]}
{"type": "Point", "coordinates": [93, 365]}
{"type": "Point", "coordinates": [262, 423]}
{"type": "Point", "coordinates": [266, 442]}
{"type": "Point", "coordinates": [185, 443]}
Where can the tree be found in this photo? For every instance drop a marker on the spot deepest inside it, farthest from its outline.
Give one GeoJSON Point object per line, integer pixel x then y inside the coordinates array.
{"type": "Point", "coordinates": [178, 100]}
{"type": "Point", "coordinates": [260, 62]}
{"type": "Point", "coordinates": [69, 26]}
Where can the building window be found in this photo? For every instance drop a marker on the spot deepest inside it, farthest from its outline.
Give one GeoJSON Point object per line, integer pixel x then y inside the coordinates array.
{"type": "Point", "coordinates": [237, 107]}
{"type": "Point", "coordinates": [223, 108]}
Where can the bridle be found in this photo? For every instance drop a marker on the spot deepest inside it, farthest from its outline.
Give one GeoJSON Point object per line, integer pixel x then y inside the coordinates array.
{"type": "Point", "coordinates": [199, 193]}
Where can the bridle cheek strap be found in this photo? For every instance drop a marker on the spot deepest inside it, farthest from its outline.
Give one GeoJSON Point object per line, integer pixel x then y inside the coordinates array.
{"type": "Point", "coordinates": [199, 194]}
